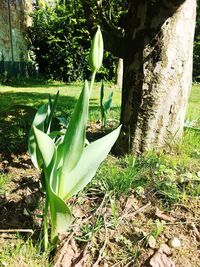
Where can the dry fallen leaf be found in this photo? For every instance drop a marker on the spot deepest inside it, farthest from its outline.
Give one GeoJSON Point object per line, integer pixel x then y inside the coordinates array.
{"type": "Point", "coordinates": [161, 258]}
{"type": "Point", "coordinates": [68, 253]}
{"type": "Point", "coordinates": [163, 216]}
{"type": "Point", "coordinates": [71, 256]}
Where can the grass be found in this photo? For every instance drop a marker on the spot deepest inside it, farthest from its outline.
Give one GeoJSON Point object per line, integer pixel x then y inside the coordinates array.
{"type": "Point", "coordinates": [22, 253]}
{"type": "Point", "coordinates": [69, 93]}
{"type": "Point", "coordinates": [4, 180]}
{"type": "Point", "coordinates": [193, 111]}
{"type": "Point", "coordinates": [167, 178]}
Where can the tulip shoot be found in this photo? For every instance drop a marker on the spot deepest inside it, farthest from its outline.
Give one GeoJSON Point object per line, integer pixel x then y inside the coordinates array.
{"type": "Point", "coordinates": [67, 163]}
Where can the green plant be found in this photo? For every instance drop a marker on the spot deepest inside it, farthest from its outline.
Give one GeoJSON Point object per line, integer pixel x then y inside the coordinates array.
{"type": "Point", "coordinates": [67, 163]}
{"type": "Point", "coordinates": [42, 121]}
{"type": "Point", "coordinates": [159, 229]}
{"type": "Point", "coordinates": [104, 106]}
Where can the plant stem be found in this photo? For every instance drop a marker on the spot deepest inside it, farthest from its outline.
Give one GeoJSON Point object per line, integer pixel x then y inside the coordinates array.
{"type": "Point", "coordinates": [92, 80]}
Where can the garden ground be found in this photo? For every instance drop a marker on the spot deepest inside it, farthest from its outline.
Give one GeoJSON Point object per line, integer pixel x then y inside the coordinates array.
{"type": "Point", "coordinates": [127, 214]}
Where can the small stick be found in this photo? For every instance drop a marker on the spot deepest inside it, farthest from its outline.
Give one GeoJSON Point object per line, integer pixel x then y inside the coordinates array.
{"type": "Point", "coordinates": [116, 264]}
{"type": "Point", "coordinates": [101, 205]}
{"type": "Point", "coordinates": [179, 222]}
{"type": "Point", "coordinates": [129, 263]}
{"type": "Point", "coordinates": [195, 231]}
{"type": "Point", "coordinates": [104, 245]}
{"type": "Point", "coordinates": [17, 231]}
{"type": "Point", "coordinates": [135, 212]}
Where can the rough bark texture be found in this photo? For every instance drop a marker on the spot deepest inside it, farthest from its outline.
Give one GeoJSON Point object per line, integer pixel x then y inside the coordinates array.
{"type": "Point", "coordinates": [157, 73]}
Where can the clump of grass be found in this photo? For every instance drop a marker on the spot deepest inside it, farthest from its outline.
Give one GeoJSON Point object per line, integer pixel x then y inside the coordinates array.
{"type": "Point", "coordinates": [22, 253]}
{"type": "Point", "coordinates": [170, 178]}
{"type": "Point", "coordinates": [115, 175]}
{"type": "Point", "coordinates": [4, 180]}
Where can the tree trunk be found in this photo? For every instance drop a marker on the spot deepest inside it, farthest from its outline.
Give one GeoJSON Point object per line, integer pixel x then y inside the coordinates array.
{"type": "Point", "coordinates": [157, 75]}
{"type": "Point", "coordinates": [119, 73]}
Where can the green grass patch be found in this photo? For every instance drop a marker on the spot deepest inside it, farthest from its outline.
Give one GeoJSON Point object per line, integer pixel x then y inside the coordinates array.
{"type": "Point", "coordinates": [193, 111]}
{"type": "Point", "coordinates": [169, 178]}
{"type": "Point", "coordinates": [4, 180]}
{"type": "Point", "coordinates": [20, 253]}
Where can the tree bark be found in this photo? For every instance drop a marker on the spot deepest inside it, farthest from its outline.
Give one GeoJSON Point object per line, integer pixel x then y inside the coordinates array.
{"type": "Point", "coordinates": [157, 73]}
{"type": "Point", "coordinates": [119, 73]}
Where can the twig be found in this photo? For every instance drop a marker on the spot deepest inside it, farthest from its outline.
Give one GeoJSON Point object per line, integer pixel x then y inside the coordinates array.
{"type": "Point", "coordinates": [104, 245]}
{"type": "Point", "coordinates": [180, 222]}
{"type": "Point", "coordinates": [101, 205]}
{"type": "Point", "coordinates": [129, 263]}
{"type": "Point", "coordinates": [83, 255]}
{"type": "Point", "coordinates": [116, 264]}
{"type": "Point", "coordinates": [122, 262]}
{"type": "Point", "coordinates": [143, 208]}
{"type": "Point", "coordinates": [183, 206]}
{"type": "Point", "coordinates": [17, 231]}
{"type": "Point", "coordinates": [196, 231]}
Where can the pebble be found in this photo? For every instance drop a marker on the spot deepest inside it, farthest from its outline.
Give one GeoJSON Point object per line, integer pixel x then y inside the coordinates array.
{"type": "Point", "coordinates": [174, 243]}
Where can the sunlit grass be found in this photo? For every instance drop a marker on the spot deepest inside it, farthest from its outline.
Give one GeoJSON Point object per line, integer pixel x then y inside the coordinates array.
{"type": "Point", "coordinates": [20, 253]}
{"type": "Point", "coordinates": [193, 111]}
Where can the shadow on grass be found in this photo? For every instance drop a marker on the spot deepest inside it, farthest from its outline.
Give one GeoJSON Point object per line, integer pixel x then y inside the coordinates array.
{"type": "Point", "coordinates": [34, 83]}
{"type": "Point", "coordinates": [17, 111]}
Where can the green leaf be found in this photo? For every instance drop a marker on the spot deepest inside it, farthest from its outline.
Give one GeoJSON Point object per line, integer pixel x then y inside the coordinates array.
{"type": "Point", "coordinates": [86, 168]}
{"type": "Point", "coordinates": [108, 102]}
{"type": "Point", "coordinates": [46, 146]}
{"type": "Point", "coordinates": [38, 121]}
{"type": "Point", "coordinates": [159, 228]}
{"type": "Point", "coordinates": [63, 121]}
{"type": "Point", "coordinates": [51, 109]}
{"type": "Point", "coordinates": [40, 117]}
{"type": "Point", "coordinates": [61, 216]}
{"type": "Point", "coordinates": [60, 213]}
{"type": "Point", "coordinates": [42, 121]}
{"type": "Point", "coordinates": [55, 134]}
{"type": "Point", "coordinates": [74, 140]}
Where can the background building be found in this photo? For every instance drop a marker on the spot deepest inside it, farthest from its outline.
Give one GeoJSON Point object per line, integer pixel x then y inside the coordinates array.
{"type": "Point", "coordinates": [14, 19]}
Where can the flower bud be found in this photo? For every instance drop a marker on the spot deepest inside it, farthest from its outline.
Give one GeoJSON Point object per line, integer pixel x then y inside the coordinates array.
{"type": "Point", "coordinates": [96, 51]}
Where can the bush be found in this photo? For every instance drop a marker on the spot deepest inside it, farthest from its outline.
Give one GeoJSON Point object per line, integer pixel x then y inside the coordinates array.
{"type": "Point", "coordinates": [60, 43]}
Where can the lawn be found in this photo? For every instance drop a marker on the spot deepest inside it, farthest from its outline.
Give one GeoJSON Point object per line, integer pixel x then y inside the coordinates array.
{"type": "Point", "coordinates": [193, 111]}
{"type": "Point", "coordinates": [131, 208]}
